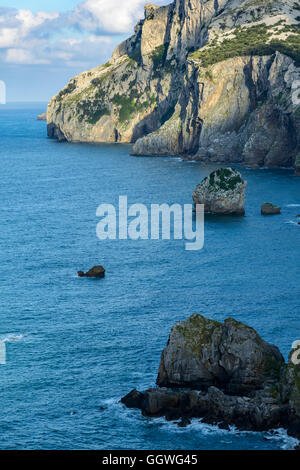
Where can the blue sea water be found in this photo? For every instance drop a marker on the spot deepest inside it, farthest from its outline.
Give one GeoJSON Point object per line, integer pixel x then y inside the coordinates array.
{"type": "Point", "coordinates": [77, 345]}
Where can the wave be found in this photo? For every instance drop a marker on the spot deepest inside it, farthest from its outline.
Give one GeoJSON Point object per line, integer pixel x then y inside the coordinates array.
{"type": "Point", "coordinates": [291, 222]}
{"type": "Point", "coordinates": [10, 338]}
{"type": "Point", "coordinates": [293, 205]}
{"type": "Point", "coordinates": [284, 441]}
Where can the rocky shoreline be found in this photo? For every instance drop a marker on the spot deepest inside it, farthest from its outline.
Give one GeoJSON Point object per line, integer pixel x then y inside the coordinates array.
{"type": "Point", "coordinates": [224, 374]}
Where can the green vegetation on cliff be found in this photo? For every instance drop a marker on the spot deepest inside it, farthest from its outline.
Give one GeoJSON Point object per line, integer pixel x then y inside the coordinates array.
{"type": "Point", "coordinates": [254, 40]}
{"type": "Point", "coordinates": [225, 178]}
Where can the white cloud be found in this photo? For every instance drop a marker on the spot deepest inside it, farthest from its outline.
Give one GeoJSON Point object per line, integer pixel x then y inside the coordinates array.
{"type": "Point", "coordinates": [109, 15]}
{"type": "Point", "coordinates": [83, 36]}
{"type": "Point", "coordinates": [23, 56]}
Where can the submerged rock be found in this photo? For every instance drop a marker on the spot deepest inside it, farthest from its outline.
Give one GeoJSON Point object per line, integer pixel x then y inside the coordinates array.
{"type": "Point", "coordinates": [96, 271]}
{"type": "Point", "coordinates": [223, 192]}
{"type": "Point", "coordinates": [269, 209]}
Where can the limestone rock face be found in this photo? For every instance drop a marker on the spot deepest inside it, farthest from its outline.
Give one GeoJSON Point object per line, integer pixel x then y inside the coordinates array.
{"type": "Point", "coordinates": [213, 81]}
{"type": "Point", "coordinates": [223, 192]}
{"type": "Point", "coordinates": [201, 353]}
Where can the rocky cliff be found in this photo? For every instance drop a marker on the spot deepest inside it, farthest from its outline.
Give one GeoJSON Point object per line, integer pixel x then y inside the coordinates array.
{"type": "Point", "coordinates": [210, 80]}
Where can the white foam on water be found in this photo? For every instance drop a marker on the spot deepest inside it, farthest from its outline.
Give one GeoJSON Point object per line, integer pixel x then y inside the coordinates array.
{"type": "Point", "coordinates": [11, 338]}
{"type": "Point", "coordinates": [291, 222]}
{"type": "Point", "coordinates": [285, 441]}
{"type": "Point", "coordinates": [280, 436]}
{"type": "Point", "coordinates": [293, 205]}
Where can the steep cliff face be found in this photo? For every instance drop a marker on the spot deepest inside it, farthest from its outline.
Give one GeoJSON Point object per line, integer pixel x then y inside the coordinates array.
{"type": "Point", "coordinates": [211, 80]}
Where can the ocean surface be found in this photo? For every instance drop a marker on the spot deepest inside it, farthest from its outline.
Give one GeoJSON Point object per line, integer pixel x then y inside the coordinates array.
{"type": "Point", "coordinates": [76, 346]}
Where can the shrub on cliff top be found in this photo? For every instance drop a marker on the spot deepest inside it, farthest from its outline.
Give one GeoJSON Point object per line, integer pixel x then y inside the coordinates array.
{"type": "Point", "coordinates": [254, 40]}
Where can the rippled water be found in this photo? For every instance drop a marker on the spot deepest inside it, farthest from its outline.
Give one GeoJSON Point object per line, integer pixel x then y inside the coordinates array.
{"type": "Point", "coordinates": [76, 345]}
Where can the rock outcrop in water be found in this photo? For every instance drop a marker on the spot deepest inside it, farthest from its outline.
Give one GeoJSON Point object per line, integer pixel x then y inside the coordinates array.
{"type": "Point", "coordinates": [207, 80]}
{"type": "Point", "coordinates": [223, 192]}
{"type": "Point", "coordinates": [269, 209]}
{"type": "Point", "coordinates": [42, 117]}
{"type": "Point", "coordinates": [96, 271]}
{"type": "Point", "coordinates": [225, 374]}
{"type": "Point", "coordinates": [203, 353]}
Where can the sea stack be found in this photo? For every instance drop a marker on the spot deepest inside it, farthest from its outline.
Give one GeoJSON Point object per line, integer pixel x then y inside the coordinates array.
{"type": "Point", "coordinates": [225, 374]}
{"type": "Point", "coordinates": [222, 192]}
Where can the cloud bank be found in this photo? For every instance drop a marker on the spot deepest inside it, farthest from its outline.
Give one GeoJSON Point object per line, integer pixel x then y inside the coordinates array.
{"type": "Point", "coordinates": [82, 37]}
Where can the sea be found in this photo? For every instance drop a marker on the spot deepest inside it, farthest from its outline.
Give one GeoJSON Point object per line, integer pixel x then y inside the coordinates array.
{"type": "Point", "coordinates": [74, 347]}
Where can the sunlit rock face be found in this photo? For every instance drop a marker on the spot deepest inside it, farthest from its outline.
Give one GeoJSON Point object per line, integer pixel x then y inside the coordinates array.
{"type": "Point", "coordinates": [222, 192]}
{"type": "Point", "coordinates": [210, 81]}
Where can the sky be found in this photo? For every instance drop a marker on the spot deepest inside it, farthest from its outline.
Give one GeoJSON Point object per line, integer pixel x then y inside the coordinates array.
{"type": "Point", "coordinates": [45, 43]}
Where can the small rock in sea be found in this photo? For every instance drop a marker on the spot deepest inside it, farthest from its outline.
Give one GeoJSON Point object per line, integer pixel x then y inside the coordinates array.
{"type": "Point", "coordinates": [42, 117]}
{"type": "Point", "coordinates": [101, 408]}
{"type": "Point", "coordinates": [222, 192]}
{"type": "Point", "coordinates": [269, 209]}
{"type": "Point", "coordinates": [298, 215]}
{"type": "Point", "coordinates": [96, 271]}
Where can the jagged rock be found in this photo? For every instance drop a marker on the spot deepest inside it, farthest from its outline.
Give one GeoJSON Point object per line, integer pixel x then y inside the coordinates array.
{"type": "Point", "coordinates": [240, 379]}
{"type": "Point", "coordinates": [269, 209]}
{"type": "Point", "coordinates": [195, 80]}
{"type": "Point", "coordinates": [201, 353]}
{"type": "Point", "coordinates": [134, 399]}
{"type": "Point", "coordinates": [259, 413]}
{"type": "Point", "coordinates": [223, 192]}
{"type": "Point", "coordinates": [42, 117]}
{"type": "Point", "coordinates": [96, 271]}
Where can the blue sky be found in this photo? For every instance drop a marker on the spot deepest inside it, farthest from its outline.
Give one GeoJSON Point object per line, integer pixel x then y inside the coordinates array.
{"type": "Point", "coordinates": [45, 43]}
{"type": "Point", "coordinates": [36, 5]}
